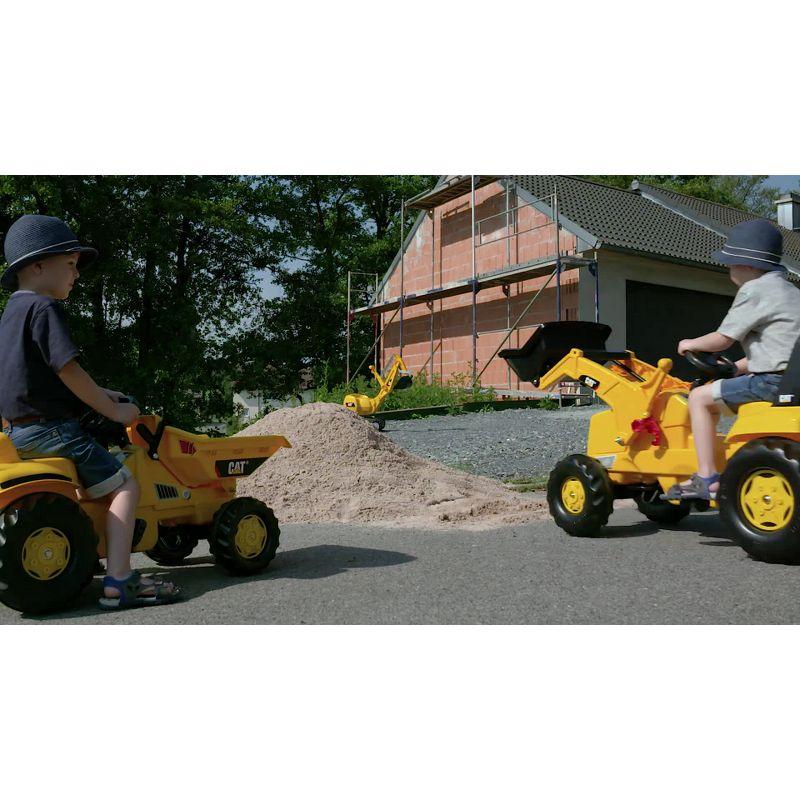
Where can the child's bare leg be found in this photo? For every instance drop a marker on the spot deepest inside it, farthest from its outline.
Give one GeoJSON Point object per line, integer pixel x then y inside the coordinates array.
{"type": "Point", "coordinates": [704, 414]}
{"type": "Point", "coordinates": [120, 524]}
{"type": "Point", "coordinates": [119, 528]}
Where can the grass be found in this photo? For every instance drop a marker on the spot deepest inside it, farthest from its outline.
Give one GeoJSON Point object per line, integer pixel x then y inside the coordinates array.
{"type": "Point", "coordinates": [535, 483]}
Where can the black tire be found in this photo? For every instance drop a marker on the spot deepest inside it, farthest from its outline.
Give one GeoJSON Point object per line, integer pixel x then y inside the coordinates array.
{"type": "Point", "coordinates": [174, 545]}
{"type": "Point", "coordinates": [598, 500]}
{"type": "Point", "coordinates": [658, 510]}
{"type": "Point", "coordinates": [379, 423]}
{"type": "Point", "coordinates": [223, 542]}
{"type": "Point", "coordinates": [27, 580]}
{"type": "Point", "coordinates": [776, 461]}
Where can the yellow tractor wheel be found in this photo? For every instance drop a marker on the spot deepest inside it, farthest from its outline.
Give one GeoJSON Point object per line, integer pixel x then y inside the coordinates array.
{"type": "Point", "coordinates": [48, 552]}
{"type": "Point", "coordinates": [244, 536]}
{"type": "Point", "coordinates": [580, 495]}
{"type": "Point", "coordinates": [759, 499]}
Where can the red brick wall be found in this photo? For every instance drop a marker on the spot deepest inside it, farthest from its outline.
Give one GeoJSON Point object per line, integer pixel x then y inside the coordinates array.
{"type": "Point", "coordinates": [441, 252]}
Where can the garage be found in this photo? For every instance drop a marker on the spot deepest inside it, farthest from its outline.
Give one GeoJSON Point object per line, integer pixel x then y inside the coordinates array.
{"type": "Point", "coordinates": [658, 317]}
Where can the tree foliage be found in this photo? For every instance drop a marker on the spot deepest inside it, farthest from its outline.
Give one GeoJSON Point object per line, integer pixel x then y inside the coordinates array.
{"type": "Point", "coordinates": [172, 312]}
{"type": "Point", "coordinates": [177, 266]}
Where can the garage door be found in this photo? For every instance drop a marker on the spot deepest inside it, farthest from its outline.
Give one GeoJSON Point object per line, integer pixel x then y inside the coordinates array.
{"type": "Point", "coordinates": [658, 317]}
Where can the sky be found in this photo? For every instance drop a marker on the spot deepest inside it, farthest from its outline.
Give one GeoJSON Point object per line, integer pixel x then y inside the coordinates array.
{"type": "Point", "coordinates": [782, 182]}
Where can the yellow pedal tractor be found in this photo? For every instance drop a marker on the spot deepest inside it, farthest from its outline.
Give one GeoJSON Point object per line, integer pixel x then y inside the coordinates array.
{"type": "Point", "coordinates": [397, 377]}
{"type": "Point", "coordinates": [643, 443]}
{"type": "Point", "coordinates": [51, 536]}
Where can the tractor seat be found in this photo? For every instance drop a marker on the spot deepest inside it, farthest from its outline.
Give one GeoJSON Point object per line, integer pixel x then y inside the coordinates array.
{"type": "Point", "coordinates": [789, 389]}
{"type": "Point", "coordinates": [551, 341]}
{"type": "Point", "coordinates": [9, 456]}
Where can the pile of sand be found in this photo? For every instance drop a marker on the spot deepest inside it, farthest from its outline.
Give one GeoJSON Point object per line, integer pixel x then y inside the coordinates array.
{"type": "Point", "coordinates": [340, 469]}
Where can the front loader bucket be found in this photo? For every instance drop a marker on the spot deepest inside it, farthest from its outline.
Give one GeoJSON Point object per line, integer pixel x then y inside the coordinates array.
{"type": "Point", "coordinates": [197, 459]}
{"type": "Point", "coordinates": [550, 342]}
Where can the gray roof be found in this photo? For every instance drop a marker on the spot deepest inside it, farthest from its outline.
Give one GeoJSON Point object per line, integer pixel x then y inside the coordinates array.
{"type": "Point", "coordinates": [647, 219]}
{"type": "Point", "coordinates": [718, 217]}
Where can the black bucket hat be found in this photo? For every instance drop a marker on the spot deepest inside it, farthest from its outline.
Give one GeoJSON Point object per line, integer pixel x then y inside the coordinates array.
{"type": "Point", "coordinates": [756, 243]}
{"type": "Point", "coordinates": [34, 237]}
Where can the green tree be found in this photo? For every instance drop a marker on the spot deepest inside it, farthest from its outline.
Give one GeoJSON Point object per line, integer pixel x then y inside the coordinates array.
{"type": "Point", "coordinates": [322, 226]}
{"type": "Point", "coordinates": [177, 272]}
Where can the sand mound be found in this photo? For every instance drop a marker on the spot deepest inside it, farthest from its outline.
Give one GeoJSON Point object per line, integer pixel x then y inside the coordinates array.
{"type": "Point", "coordinates": [340, 469]}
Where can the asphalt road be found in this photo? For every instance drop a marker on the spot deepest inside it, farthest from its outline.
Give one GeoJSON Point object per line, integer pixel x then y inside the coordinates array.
{"type": "Point", "coordinates": [534, 574]}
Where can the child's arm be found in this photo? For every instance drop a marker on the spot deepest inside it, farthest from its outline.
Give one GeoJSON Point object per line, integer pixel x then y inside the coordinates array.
{"type": "Point", "coordinates": [81, 384]}
{"type": "Point", "coordinates": [710, 343]}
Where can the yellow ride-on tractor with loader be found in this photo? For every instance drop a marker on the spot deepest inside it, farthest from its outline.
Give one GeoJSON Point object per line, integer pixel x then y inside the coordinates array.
{"type": "Point", "coordinates": [397, 377]}
{"type": "Point", "coordinates": [643, 444]}
{"type": "Point", "coordinates": [51, 536]}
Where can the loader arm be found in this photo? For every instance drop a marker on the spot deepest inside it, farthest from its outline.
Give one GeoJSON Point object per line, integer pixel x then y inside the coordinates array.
{"type": "Point", "coordinates": [629, 387]}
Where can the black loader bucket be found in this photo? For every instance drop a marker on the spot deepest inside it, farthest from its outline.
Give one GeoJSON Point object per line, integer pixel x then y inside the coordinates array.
{"type": "Point", "coordinates": [551, 341]}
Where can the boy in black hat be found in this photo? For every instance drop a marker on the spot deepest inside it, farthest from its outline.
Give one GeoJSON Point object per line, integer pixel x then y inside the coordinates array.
{"type": "Point", "coordinates": [765, 319]}
{"type": "Point", "coordinates": [42, 388]}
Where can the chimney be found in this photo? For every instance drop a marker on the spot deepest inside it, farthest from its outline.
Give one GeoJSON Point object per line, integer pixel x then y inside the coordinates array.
{"type": "Point", "coordinates": [789, 211]}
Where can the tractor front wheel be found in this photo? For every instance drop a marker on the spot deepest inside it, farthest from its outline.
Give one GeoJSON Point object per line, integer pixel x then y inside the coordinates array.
{"type": "Point", "coordinates": [174, 545]}
{"type": "Point", "coordinates": [580, 495]}
{"type": "Point", "coordinates": [658, 510]}
{"type": "Point", "coordinates": [244, 536]}
{"type": "Point", "coordinates": [48, 552]}
{"type": "Point", "coordinates": [759, 499]}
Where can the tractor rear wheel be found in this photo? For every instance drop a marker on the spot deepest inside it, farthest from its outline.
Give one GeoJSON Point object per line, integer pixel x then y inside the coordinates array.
{"type": "Point", "coordinates": [658, 510]}
{"type": "Point", "coordinates": [244, 536]}
{"type": "Point", "coordinates": [580, 495]}
{"type": "Point", "coordinates": [48, 552]}
{"type": "Point", "coordinates": [759, 499]}
{"type": "Point", "coordinates": [174, 545]}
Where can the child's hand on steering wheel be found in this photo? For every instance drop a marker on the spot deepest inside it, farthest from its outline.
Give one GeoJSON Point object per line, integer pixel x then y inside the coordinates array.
{"type": "Point", "coordinates": [125, 413]}
{"type": "Point", "coordinates": [114, 395]}
{"type": "Point", "coordinates": [684, 345]}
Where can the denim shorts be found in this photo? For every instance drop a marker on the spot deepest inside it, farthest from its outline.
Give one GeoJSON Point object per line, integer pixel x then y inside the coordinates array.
{"type": "Point", "coordinates": [747, 389]}
{"type": "Point", "coordinates": [100, 473]}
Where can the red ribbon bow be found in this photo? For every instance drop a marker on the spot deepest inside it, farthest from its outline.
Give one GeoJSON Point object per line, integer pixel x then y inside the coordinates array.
{"type": "Point", "coordinates": [649, 425]}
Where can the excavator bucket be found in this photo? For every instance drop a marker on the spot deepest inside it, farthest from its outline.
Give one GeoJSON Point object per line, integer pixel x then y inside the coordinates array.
{"type": "Point", "coordinates": [403, 382]}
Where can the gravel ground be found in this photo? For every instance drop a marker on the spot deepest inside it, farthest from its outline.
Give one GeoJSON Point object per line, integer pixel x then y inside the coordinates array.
{"type": "Point", "coordinates": [518, 443]}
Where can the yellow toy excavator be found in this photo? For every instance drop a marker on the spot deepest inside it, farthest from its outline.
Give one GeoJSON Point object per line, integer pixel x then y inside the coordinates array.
{"type": "Point", "coordinates": [397, 377]}
{"type": "Point", "coordinates": [51, 535]}
{"type": "Point", "coordinates": [643, 443]}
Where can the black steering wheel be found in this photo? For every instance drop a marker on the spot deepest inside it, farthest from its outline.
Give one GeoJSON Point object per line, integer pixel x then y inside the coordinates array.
{"type": "Point", "coordinates": [105, 430]}
{"type": "Point", "coordinates": [711, 365]}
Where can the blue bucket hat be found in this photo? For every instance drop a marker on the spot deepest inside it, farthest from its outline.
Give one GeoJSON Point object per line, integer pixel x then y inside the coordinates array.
{"type": "Point", "coordinates": [35, 237]}
{"type": "Point", "coordinates": [756, 243]}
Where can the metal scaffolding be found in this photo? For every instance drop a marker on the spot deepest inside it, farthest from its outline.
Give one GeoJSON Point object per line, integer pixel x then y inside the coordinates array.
{"type": "Point", "coordinates": [551, 266]}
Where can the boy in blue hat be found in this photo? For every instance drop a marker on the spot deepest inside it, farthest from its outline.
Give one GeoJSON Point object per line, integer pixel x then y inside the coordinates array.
{"type": "Point", "coordinates": [43, 387]}
{"type": "Point", "coordinates": [765, 319]}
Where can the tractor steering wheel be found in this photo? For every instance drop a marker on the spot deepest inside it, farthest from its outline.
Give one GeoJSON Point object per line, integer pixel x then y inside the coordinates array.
{"type": "Point", "coordinates": [711, 365]}
{"type": "Point", "coordinates": [105, 430]}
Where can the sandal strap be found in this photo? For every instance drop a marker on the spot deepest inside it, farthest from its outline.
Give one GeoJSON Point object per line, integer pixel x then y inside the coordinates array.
{"type": "Point", "coordinates": [128, 588]}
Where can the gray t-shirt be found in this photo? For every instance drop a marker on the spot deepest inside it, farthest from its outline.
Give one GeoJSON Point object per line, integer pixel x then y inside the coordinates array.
{"type": "Point", "coordinates": [765, 319]}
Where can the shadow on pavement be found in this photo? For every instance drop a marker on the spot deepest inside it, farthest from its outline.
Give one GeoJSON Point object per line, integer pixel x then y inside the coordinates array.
{"type": "Point", "coordinates": [707, 525]}
{"type": "Point", "coordinates": [199, 575]}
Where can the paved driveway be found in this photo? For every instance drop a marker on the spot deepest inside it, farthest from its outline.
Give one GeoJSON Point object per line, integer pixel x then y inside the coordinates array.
{"type": "Point", "coordinates": [533, 574]}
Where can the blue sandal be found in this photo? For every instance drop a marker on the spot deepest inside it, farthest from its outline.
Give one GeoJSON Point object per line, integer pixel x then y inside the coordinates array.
{"type": "Point", "coordinates": [130, 592]}
{"type": "Point", "coordinates": [698, 489]}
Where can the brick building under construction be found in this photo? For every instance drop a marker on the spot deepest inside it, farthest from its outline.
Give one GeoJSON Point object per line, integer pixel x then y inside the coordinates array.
{"type": "Point", "coordinates": [547, 247]}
